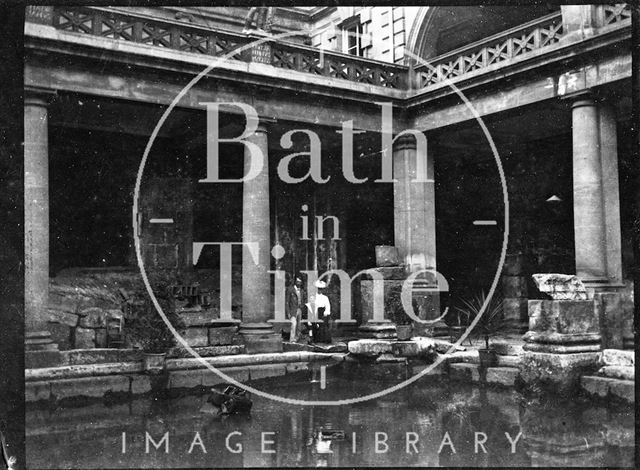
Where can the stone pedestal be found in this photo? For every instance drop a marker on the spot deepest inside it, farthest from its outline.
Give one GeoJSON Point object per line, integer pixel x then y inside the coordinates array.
{"type": "Point", "coordinates": [562, 344]}
{"type": "Point", "coordinates": [36, 215]}
{"type": "Point", "coordinates": [394, 277]}
{"type": "Point", "coordinates": [258, 335]}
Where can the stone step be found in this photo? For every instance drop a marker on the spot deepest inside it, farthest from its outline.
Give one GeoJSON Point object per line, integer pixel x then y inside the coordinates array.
{"type": "Point", "coordinates": [618, 357]}
{"type": "Point", "coordinates": [505, 376]}
{"type": "Point", "coordinates": [471, 357]}
{"type": "Point", "coordinates": [606, 387]}
{"type": "Point", "coordinates": [618, 372]}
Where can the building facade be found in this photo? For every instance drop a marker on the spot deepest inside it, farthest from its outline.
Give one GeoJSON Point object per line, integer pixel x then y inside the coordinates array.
{"type": "Point", "coordinates": [551, 85]}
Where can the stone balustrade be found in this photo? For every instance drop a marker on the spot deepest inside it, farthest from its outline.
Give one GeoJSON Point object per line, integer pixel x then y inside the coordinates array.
{"type": "Point", "coordinates": [479, 56]}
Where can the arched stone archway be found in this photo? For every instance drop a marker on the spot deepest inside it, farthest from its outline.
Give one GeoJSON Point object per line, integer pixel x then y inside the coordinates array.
{"type": "Point", "coordinates": [438, 30]}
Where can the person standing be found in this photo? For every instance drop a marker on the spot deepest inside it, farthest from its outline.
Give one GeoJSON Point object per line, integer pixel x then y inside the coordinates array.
{"type": "Point", "coordinates": [293, 308]}
{"type": "Point", "coordinates": [322, 308]}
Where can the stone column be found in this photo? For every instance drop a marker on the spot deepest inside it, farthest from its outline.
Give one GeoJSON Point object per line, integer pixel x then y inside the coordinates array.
{"type": "Point", "coordinates": [588, 199]}
{"type": "Point", "coordinates": [257, 332]}
{"type": "Point", "coordinates": [36, 215]}
{"type": "Point", "coordinates": [415, 227]}
{"type": "Point", "coordinates": [414, 208]}
{"type": "Point", "coordinates": [611, 192]}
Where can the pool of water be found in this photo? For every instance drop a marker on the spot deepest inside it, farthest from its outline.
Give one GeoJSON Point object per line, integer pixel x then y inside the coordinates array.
{"type": "Point", "coordinates": [429, 423]}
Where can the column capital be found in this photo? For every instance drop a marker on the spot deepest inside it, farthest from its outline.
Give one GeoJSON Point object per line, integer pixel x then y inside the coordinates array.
{"type": "Point", "coordinates": [36, 96]}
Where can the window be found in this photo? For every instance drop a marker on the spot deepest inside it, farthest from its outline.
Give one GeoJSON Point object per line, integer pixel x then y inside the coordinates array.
{"type": "Point", "coordinates": [353, 39]}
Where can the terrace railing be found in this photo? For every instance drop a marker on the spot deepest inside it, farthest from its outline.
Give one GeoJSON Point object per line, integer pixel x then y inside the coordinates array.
{"type": "Point", "coordinates": [201, 40]}
{"type": "Point", "coordinates": [611, 14]}
{"type": "Point", "coordinates": [171, 34]}
{"type": "Point", "coordinates": [482, 54]}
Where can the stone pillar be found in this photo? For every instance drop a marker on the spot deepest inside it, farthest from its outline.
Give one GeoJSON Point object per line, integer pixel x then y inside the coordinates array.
{"type": "Point", "coordinates": [414, 208]}
{"type": "Point", "coordinates": [611, 193]}
{"type": "Point", "coordinates": [257, 332]}
{"type": "Point", "coordinates": [415, 227]}
{"type": "Point", "coordinates": [36, 215]}
{"type": "Point", "coordinates": [588, 199]}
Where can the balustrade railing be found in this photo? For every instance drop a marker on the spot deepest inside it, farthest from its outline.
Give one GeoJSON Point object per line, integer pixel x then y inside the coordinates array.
{"type": "Point", "coordinates": [201, 40]}
{"type": "Point", "coordinates": [610, 14]}
{"type": "Point", "coordinates": [504, 46]}
{"type": "Point", "coordinates": [180, 36]}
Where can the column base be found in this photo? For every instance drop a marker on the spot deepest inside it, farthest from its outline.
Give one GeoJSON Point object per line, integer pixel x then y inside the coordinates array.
{"type": "Point", "coordinates": [40, 350]}
{"type": "Point", "coordinates": [260, 338]}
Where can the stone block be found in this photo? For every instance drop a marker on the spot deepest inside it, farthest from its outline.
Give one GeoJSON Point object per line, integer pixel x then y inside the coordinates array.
{"type": "Point", "coordinates": [606, 387]}
{"type": "Point", "coordinates": [220, 336]}
{"type": "Point", "coordinates": [197, 317]}
{"type": "Point", "coordinates": [418, 347]}
{"type": "Point", "coordinates": [563, 321]}
{"type": "Point", "coordinates": [514, 286]}
{"type": "Point", "coordinates": [140, 384]}
{"type": "Point", "coordinates": [196, 336]}
{"type": "Point", "coordinates": [101, 338]}
{"type": "Point", "coordinates": [266, 343]}
{"type": "Point", "coordinates": [370, 347]}
{"type": "Point", "coordinates": [101, 356]}
{"type": "Point", "coordinates": [60, 334]}
{"type": "Point", "coordinates": [561, 286]}
{"type": "Point", "coordinates": [89, 386]}
{"type": "Point", "coordinates": [92, 318]}
{"type": "Point", "coordinates": [62, 317]}
{"type": "Point", "coordinates": [387, 256]}
{"type": "Point", "coordinates": [36, 391]}
{"type": "Point", "coordinates": [84, 338]}
{"type": "Point", "coordinates": [558, 373]}
{"type": "Point", "coordinates": [266, 370]}
{"type": "Point", "coordinates": [42, 359]}
{"type": "Point", "coordinates": [185, 378]}
{"type": "Point", "coordinates": [618, 357]}
{"type": "Point", "coordinates": [618, 372]}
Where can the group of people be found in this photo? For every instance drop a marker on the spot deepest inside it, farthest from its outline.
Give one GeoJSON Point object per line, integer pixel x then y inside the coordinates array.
{"type": "Point", "coordinates": [301, 311]}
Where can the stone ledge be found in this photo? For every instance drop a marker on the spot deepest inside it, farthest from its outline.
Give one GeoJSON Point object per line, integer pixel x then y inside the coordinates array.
{"type": "Point", "coordinates": [606, 387]}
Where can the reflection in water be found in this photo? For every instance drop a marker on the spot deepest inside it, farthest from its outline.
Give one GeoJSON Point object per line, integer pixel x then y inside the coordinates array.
{"type": "Point", "coordinates": [429, 423]}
